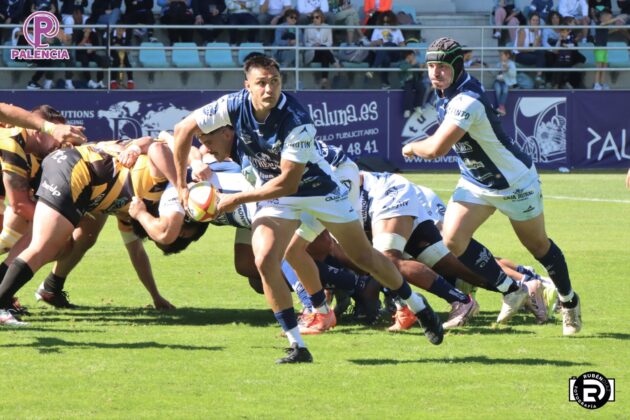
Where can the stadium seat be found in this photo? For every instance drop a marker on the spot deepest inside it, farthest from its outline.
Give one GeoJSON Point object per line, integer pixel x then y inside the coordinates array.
{"type": "Point", "coordinates": [248, 48]}
{"type": "Point", "coordinates": [6, 57]}
{"type": "Point", "coordinates": [589, 54]}
{"type": "Point", "coordinates": [188, 57]}
{"type": "Point", "coordinates": [410, 10]}
{"type": "Point", "coordinates": [219, 58]}
{"type": "Point", "coordinates": [153, 57]}
{"type": "Point", "coordinates": [618, 58]}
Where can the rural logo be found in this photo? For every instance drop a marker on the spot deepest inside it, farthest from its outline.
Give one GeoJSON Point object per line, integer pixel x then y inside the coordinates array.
{"type": "Point", "coordinates": [39, 29]}
{"type": "Point", "coordinates": [540, 128]}
{"type": "Point", "coordinates": [591, 390]}
{"type": "Point", "coordinates": [133, 119]}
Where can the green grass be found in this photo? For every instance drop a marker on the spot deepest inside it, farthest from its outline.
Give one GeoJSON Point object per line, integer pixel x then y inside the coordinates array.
{"type": "Point", "coordinates": [213, 357]}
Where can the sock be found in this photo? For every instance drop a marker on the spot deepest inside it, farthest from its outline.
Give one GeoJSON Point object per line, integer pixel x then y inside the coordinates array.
{"type": "Point", "coordinates": [337, 278]}
{"type": "Point", "coordinates": [18, 274]}
{"type": "Point", "coordinates": [297, 287]}
{"type": "Point", "coordinates": [415, 302]}
{"type": "Point", "coordinates": [288, 322]}
{"type": "Point", "coordinates": [479, 259]}
{"type": "Point", "coordinates": [54, 283]}
{"type": "Point", "coordinates": [570, 301]}
{"type": "Point", "coordinates": [556, 266]}
{"type": "Point", "coordinates": [318, 299]}
{"type": "Point", "coordinates": [446, 291]}
{"type": "Point", "coordinates": [3, 270]}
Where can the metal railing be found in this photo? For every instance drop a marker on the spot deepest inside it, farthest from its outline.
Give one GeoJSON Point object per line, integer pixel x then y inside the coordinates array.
{"type": "Point", "coordinates": [483, 48]}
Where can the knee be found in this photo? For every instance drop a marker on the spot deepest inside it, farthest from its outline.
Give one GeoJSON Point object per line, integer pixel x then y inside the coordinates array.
{"type": "Point", "coordinates": [539, 247]}
{"type": "Point", "coordinates": [455, 245]}
{"type": "Point", "coordinates": [265, 264]}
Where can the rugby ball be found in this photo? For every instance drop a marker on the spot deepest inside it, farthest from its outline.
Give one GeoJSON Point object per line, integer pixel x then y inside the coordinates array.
{"type": "Point", "coordinates": [202, 202]}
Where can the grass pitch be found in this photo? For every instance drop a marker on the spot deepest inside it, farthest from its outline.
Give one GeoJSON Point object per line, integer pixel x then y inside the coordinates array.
{"type": "Point", "coordinates": [214, 356]}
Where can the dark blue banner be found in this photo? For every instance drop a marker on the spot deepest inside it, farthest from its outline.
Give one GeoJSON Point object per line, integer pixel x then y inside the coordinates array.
{"type": "Point", "coordinates": [557, 128]}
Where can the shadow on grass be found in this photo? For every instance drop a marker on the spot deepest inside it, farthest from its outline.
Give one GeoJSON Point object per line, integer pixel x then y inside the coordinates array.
{"type": "Point", "coordinates": [483, 360]}
{"type": "Point", "coordinates": [114, 315]}
{"type": "Point", "coordinates": [612, 335]}
{"type": "Point", "coordinates": [55, 345]}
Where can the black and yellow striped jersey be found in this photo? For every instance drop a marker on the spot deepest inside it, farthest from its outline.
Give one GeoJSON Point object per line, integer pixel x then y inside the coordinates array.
{"type": "Point", "coordinates": [14, 157]}
{"type": "Point", "coordinates": [112, 184]}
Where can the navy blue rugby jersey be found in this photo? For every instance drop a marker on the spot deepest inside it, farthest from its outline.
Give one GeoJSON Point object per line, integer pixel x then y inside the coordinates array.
{"type": "Point", "coordinates": [287, 133]}
{"type": "Point", "coordinates": [487, 156]}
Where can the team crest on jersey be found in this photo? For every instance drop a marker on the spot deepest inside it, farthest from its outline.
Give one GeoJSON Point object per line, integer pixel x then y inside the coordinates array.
{"type": "Point", "coordinates": [463, 147]}
{"type": "Point", "coordinates": [540, 128]}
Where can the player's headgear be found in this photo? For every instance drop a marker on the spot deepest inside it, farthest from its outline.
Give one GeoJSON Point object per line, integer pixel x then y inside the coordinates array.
{"type": "Point", "coordinates": [448, 51]}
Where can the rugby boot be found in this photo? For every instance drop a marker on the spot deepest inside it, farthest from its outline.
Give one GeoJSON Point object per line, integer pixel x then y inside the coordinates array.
{"type": "Point", "coordinates": [403, 320]}
{"type": "Point", "coordinates": [460, 313]}
{"type": "Point", "coordinates": [512, 302]}
{"type": "Point", "coordinates": [56, 299]}
{"type": "Point", "coordinates": [431, 324]}
{"type": "Point", "coordinates": [535, 303]}
{"type": "Point", "coordinates": [8, 318]}
{"type": "Point", "coordinates": [296, 354]}
{"type": "Point", "coordinates": [318, 323]}
{"type": "Point", "coordinates": [572, 319]}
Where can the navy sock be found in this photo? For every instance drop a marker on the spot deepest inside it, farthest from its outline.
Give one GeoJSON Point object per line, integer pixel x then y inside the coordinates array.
{"type": "Point", "coordinates": [286, 318]}
{"type": "Point", "coordinates": [479, 259]}
{"type": "Point", "coordinates": [443, 289]}
{"type": "Point", "coordinates": [318, 298]}
{"type": "Point", "coordinates": [337, 278]}
{"type": "Point", "coordinates": [3, 270]}
{"type": "Point", "coordinates": [404, 292]}
{"type": "Point", "coordinates": [297, 287]}
{"type": "Point", "coordinates": [18, 274]}
{"type": "Point", "coordinates": [556, 266]}
{"type": "Point", "coordinates": [54, 283]}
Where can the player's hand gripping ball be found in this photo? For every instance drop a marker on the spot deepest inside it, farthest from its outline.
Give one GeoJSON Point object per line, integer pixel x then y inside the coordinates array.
{"type": "Point", "coordinates": [202, 202]}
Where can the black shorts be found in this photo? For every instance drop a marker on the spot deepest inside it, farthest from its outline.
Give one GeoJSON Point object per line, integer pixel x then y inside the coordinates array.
{"type": "Point", "coordinates": [66, 184]}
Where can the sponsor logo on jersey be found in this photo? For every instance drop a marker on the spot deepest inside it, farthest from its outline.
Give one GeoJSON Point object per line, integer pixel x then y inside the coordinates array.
{"type": "Point", "coordinates": [54, 190]}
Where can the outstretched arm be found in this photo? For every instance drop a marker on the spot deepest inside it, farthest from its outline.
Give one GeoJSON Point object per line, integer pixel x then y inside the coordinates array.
{"type": "Point", "coordinates": [20, 117]}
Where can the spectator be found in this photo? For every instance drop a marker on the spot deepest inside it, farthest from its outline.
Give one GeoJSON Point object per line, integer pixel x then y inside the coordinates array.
{"type": "Point", "coordinates": [45, 6]}
{"type": "Point", "coordinates": [12, 11]}
{"type": "Point", "coordinates": [317, 35]}
{"type": "Point", "coordinates": [177, 12]}
{"type": "Point", "coordinates": [209, 12]}
{"type": "Point", "coordinates": [345, 14]}
{"type": "Point", "coordinates": [470, 61]}
{"type": "Point", "coordinates": [140, 12]}
{"type": "Point", "coordinates": [120, 58]}
{"type": "Point", "coordinates": [542, 7]}
{"type": "Point", "coordinates": [411, 84]}
{"type": "Point", "coordinates": [67, 10]}
{"type": "Point", "coordinates": [505, 80]}
{"type": "Point", "coordinates": [526, 38]}
{"type": "Point", "coordinates": [106, 12]}
{"type": "Point", "coordinates": [306, 8]}
{"type": "Point", "coordinates": [285, 37]}
{"type": "Point", "coordinates": [242, 13]}
{"type": "Point", "coordinates": [550, 36]}
{"type": "Point", "coordinates": [88, 37]}
{"type": "Point", "coordinates": [56, 42]}
{"type": "Point", "coordinates": [624, 6]}
{"type": "Point", "coordinates": [270, 13]}
{"type": "Point", "coordinates": [596, 6]}
{"type": "Point", "coordinates": [505, 14]}
{"type": "Point", "coordinates": [386, 36]}
{"type": "Point", "coordinates": [566, 57]}
{"type": "Point", "coordinates": [373, 8]}
{"type": "Point", "coordinates": [604, 18]}
{"type": "Point", "coordinates": [579, 10]}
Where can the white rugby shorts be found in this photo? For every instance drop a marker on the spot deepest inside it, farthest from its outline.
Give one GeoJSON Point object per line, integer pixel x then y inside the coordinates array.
{"type": "Point", "coordinates": [522, 201]}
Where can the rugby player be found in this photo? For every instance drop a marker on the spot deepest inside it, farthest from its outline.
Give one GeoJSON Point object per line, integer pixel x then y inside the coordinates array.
{"type": "Point", "coordinates": [495, 174]}
{"type": "Point", "coordinates": [278, 137]}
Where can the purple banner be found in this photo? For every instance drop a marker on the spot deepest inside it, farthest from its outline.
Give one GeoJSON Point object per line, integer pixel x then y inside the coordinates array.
{"type": "Point", "coordinates": [558, 129]}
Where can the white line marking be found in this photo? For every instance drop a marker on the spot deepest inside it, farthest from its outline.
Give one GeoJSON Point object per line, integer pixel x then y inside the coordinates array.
{"type": "Point", "coordinates": [567, 198]}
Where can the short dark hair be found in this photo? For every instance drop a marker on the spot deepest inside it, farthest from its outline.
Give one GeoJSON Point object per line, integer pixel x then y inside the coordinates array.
{"type": "Point", "coordinates": [180, 244]}
{"type": "Point", "coordinates": [407, 53]}
{"type": "Point", "coordinates": [50, 114]}
{"type": "Point", "coordinates": [260, 61]}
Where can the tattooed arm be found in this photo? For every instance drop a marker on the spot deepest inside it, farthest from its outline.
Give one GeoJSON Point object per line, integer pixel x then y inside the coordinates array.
{"type": "Point", "coordinates": [19, 195]}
